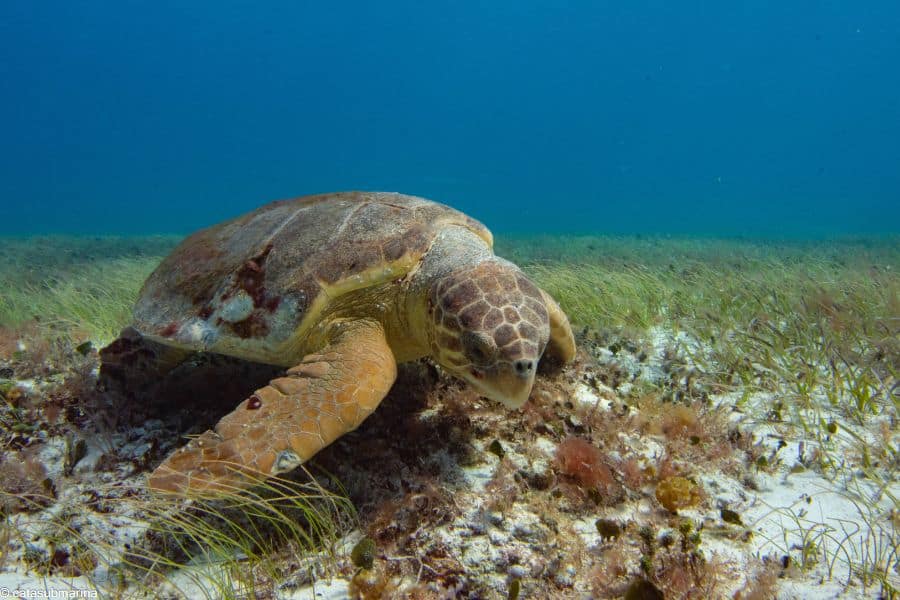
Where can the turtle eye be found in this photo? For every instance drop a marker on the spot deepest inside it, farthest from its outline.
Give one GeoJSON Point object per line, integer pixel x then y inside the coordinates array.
{"type": "Point", "coordinates": [479, 347]}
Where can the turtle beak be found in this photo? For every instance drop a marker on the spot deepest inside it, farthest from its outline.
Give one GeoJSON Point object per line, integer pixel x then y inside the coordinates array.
{"type": "Point", "coordinates": [507, 386]}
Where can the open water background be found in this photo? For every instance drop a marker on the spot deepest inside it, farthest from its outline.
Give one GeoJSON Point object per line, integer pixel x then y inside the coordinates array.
{"type": "Point", "coordinates": [641, 117]}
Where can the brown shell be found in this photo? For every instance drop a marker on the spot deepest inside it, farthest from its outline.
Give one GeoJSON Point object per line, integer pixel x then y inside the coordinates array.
{"type": "Point", "coordinates": [245, 286]}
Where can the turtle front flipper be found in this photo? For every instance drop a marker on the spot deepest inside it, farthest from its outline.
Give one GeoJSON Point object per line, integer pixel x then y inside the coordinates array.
{"type": "Point", "coordinates": [561, 347]}
{"type": "Point", "coordinates": [285, 423]}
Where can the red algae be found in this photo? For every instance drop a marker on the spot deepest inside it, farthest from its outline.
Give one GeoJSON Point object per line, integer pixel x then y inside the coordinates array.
{"type": "Point", "coordinates": [583, 462]}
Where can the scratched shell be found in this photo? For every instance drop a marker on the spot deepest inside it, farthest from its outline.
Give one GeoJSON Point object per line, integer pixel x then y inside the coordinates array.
{"type": "Point", "coordinates": [247, 285]}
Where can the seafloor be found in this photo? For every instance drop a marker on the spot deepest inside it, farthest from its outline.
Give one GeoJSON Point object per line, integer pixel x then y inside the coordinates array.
{"type": "Point", "coordinates": [728, 430]}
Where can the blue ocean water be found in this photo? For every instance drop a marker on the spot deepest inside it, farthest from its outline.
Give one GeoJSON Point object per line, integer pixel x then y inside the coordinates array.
{"type": "Point", "coordinates": [712, 118]}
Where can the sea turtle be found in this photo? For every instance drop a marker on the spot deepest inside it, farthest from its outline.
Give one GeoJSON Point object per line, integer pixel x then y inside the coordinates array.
{"type": "Point", "coordinates": [339, 288]}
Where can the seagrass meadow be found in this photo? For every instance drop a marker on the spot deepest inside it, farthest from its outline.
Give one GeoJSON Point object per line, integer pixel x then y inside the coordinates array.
{"type": "Point", "coordinates": [729, 430]}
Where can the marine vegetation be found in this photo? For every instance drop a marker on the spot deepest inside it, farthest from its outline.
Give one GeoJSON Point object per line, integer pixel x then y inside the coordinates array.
{"type": "Point", "coordinates": [727, 430]}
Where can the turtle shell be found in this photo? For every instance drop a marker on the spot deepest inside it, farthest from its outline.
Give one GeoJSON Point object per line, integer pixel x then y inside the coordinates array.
{"type": "Point", "coordinates": [247, 286]}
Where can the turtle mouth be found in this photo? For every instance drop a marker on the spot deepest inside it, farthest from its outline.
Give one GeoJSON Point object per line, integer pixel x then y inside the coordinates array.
{"type": "Point", "coordinates": [508, 388]}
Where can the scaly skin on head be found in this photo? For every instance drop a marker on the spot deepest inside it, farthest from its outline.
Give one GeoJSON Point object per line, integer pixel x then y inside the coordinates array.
{"type": "Point", "coordinates": [489, 326]}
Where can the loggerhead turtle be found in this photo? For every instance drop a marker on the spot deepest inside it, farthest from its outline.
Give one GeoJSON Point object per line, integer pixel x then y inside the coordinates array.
{"type": "Point", "coordinates": [339, 288]}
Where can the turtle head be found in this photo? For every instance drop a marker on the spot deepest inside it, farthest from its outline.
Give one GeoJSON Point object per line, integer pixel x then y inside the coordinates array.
{"type": "Point", "coordinates": [489, 327]}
